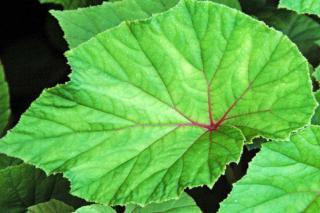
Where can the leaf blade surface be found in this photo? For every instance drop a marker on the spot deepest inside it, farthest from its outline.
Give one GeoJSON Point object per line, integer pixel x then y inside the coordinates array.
{"type": "Point", "coordinates": [172, 104]}
{"type": "Point", "coordinates": [95, 208]}
{"type": "Point", "coordinates": [82, 24]}
{"type": "Point", "coordinates": [51, 206]}
{"type": "Point", "coordinates": [183, 204]}
{"type": "Point", "coordinates": [302, 6]}
{"type": "Point", "coordinates": [284, 176]}
{"type": "Point", "coordinates": [4, 101]}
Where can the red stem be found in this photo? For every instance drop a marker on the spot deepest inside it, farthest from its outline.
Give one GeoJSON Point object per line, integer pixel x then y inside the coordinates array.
{"type": "Point", "coordinates": [212, 123]}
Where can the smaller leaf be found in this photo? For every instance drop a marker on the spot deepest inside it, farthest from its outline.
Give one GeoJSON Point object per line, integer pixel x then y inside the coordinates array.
{"type": "Point", "coordinates": [183, 204]}
{"type": "Point", "coordinates": [284, 177]}
{"type": "Point", "coordinates": [52, 206]}
{"type": "Point", "coordinates": [316, 117]}
{"type": "Point", "coordinates": [6, 161]}
{"type": "Point", "coordinates": [95, 208]}
{"type": "Point", "coordinates": [4, 101]}
{"type": "Point", "coordinates": [23, 186]}
{"type": "Point", "coordinates": [301, 29]}
{"type": "Point", "coordinates": [302, 6]}
{"type": "Point", "coordinates": [81, 25]}
{"type": "Point", "coordinates": [316, 73]}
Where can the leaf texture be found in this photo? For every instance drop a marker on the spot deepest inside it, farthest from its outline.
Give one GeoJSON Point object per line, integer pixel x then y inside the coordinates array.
{"type": "Point", "coordinates": [6, 161]}
{"type": "Point", "coordinates": [316, 73]}
{"type": "Point", "coordinates": [301, 29]}
{"type": "Point", "coordinates": [230, 3]}
{"type": "Point", "coordinates": [285, 177]}
{"type": "Point", "coordinates": [81, 25]}
{"type": "Point", "coordinates": [4, 101]}
{"type": "Point", "coordinates": [316, 116]}
{"type": "Point", "coordinates": [302, 6]}
{"type": "Point", "coordinates": [164, 104]}
{"type": "Point", "coordinates": [95, 208]}
{"type": "Point", "coordinates": [23, 186]}
{"type": "Point", "coordinates": [184, 204]}
{"type": "Point", "coordinates": [51, 206]}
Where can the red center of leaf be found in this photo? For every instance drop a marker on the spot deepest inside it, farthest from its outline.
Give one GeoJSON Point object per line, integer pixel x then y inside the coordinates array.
{"type": "Point", "coordinates": [210, 127]}
{"type": "Point", "coordinates": [213, 126]}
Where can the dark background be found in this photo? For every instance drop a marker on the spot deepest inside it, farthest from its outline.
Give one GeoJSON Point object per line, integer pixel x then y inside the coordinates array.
{"type": "Point", "coordinates": [31, 50]}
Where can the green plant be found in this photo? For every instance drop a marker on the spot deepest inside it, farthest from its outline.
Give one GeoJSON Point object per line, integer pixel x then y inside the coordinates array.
{"type": "Point", "coordinates": [302, 6]}
{"type": "Point", "coordinates": [178, 95]}
{"type": "Point", "coordinates": [4, 100]}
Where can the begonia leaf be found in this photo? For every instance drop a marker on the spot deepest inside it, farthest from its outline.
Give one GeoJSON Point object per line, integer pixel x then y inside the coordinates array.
{"type": "Point", "coordinates": [159, 105]}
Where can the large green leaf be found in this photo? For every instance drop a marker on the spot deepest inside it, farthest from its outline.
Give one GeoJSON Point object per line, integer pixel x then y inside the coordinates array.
{"type": "Point", "coordinates": [302, 6]}
{"type": "Point", "coordinates": [284, 177]}
{"type": "Point", "coordinates": [51, 206]}
{"type": "Point", "coordinates": [80, 25]}
{"type": "Point", "coordinates": [72, 4]}
{"type": "Point", "coordinates": [4, 101]}
{"type": "Point", "coordinates": [185, 204]}
{"type": "Point", "coordinates": [159, 104]}
{"type": "Point", "coordinates": [22, 186]}
{"type": "Point", "coordinates": [95, 208]}
{"type": "Point", "coordinates": [231, 3]}
{"type": "Point", "coordinates": [301, 29]}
